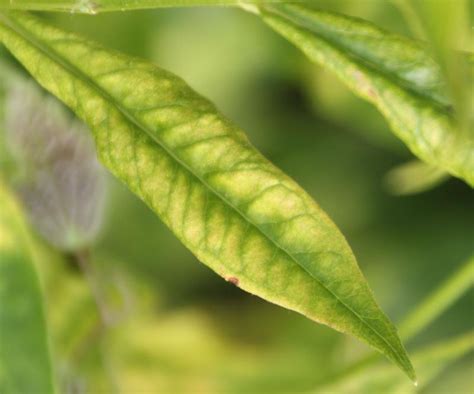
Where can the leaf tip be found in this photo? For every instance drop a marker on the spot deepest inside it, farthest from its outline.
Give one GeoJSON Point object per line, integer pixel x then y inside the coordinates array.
{"type": "Point", "coordinates": [410, 372]}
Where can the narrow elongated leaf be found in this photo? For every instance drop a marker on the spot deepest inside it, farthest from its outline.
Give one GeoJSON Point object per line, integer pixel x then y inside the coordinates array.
{"type": "Point", "coordinates": [445, 25]}
{"type": "Point", "coordinates": [394, 73]}
{"type": "Point", "coordinates": [429, 362]}
{"type": "Point", "coordinates": [96, 6]}
{"type": "Point", "coordinates": [230, 206]}
{"type": "Point", "coordinates": [414, 177]}
{"type": "Point", "coordinates": [423, 314]}
{"type": "Point", "coordinates": [24, 356]}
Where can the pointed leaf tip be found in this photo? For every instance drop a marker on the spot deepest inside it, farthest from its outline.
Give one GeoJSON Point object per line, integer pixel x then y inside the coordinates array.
{"type": "Point", "coordinates": [237, 212]}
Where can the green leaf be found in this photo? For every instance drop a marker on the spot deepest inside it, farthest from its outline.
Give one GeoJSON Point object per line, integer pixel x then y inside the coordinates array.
{"type": "Point", "coordinates": [414, 177]}
{"type": "Point", "coordinates": [395, 74]}
{"type": "Point", "coordinates": [230, 206]}
{"type": "Point", "coordinates": [446, 26]}
{"type": "Point", "coordinates": [96, 6]}
{"type": "Point", "coordinates": [429, 309]}
{"type": "Point", "coordinates": [430, 363]}
{"type": "Point", "coordinates": [24, 356]}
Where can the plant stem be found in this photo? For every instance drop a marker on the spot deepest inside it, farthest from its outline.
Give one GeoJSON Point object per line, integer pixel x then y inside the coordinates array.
{"type": "Point", "coordinates": [411, 17]}
{"type": "Point", "coordinates": [93, 7]}
{"type": "Point", "coordinates": [423, 314]}
{"type": "Point", "coordinates": [83, 260]}
{"type": "Point", "coordinates": [438, 301]}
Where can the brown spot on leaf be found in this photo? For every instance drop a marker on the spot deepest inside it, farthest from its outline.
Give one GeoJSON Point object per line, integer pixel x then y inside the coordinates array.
{"type": "Point", "coordinates": [233, 280]}
{"type": "Point", "coordinates": [364, 84]}
{"type": "Point", "coordinates": [371, 93]}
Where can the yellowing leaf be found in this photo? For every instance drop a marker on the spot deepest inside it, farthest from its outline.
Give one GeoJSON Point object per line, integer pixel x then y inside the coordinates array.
{"type": "Point", "coordinates": [24, 355]}
{"type": "Point", "coordinates": [394, 73]}
{"type": "Point", "coordinates": [231, 207]}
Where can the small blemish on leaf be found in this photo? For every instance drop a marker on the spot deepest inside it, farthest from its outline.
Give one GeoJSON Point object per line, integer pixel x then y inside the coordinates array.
{"type": "Point", "coordinates": [364, 84]}
{"type": "Point", "coordinates": [233, 280]}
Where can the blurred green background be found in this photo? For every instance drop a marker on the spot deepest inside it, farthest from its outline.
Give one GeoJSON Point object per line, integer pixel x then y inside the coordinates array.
{"type": "Point", "coordinates": [186, 330]}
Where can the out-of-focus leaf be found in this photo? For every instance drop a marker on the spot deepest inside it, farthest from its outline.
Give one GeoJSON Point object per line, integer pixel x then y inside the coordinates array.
{"type": "Point", "coordinates": [430, 308]}
{"type": "Point", "coordinates": [150, 351]}
{"type": "Point", "coordinates": [6, 161]}
{"type": "Point", "coordinates": [414, 177]}
{"type": "Point", "coordinates": [76, 329]}
{"type": "Point", "coordinates": [429, 363]}
{"type": "Point", "coordinates": [446, 26]}
{"type": "Point", "coordinates": [153, 350]}
{"type": "Point", "coordinates": [395, 74]}
{"type": "Point", "coordinates": [437, 302]}
{"type": "Point", "coordinates": [96, 6]}
{"type": "Point", "coordinates": [3, 148]}
{"type": "Point", "coordinates": [25, 365]}
{"type": "Point", "coordinates": [231, 207]}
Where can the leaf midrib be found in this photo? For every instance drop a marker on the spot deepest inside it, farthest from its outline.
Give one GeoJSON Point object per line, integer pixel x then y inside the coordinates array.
{"type": "Point", "coordinates": [51, 53]}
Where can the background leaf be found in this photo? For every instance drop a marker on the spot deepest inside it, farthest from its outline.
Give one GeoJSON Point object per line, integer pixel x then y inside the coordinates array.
{"type": "Point", "coordinates": [429, 362]}
{"type": "Point", "coordinates": [238, 213]}
{"type": "Point", "coordinates": [24, 356]}
{"type": "Point", "coordinates": [445, 25]}
{"type": "Point", "coordinates": [422, 316]}
{"type": "Point", "coordinates": [395, 74]}
{"type": "Point", "coordinates": [414, 177]}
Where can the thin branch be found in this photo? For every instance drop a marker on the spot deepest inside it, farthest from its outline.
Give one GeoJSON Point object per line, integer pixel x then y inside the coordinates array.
{"type": "Point", "coordinates": [422, 315]}
{"type": "Point", "coordinates": [83, 260]}
{"type": "Point", "coordinates": [93, 7]}
{"type": "Point", "coordinates": [438, 301]}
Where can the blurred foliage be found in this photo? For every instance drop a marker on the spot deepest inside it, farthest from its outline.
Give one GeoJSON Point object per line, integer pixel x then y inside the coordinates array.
{"type": "Point", "coordinates": [413, 177]}
{"type": "Point", "coordinates": [428, 362]}
{"type": "Point", "coordinates": [25, 363]}
{"type": "Point", "coordinates": [183, 328]}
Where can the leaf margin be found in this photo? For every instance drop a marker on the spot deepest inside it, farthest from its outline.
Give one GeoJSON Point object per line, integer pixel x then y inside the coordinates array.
{"type": "Point", "coordinates": [23, 36]}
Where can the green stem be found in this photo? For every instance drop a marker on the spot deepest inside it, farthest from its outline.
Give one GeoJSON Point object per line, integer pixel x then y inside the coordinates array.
{"type": "Point", "coordinates": [423, 314]}
{"type": "Point", "coordinates": [83, 260]}
{"type": "Point", "coordinates": [411, 17]}
{"type": "Point", "coordinates": [438, 301]}
{"type": "Point", "coordinates": [95, 6]}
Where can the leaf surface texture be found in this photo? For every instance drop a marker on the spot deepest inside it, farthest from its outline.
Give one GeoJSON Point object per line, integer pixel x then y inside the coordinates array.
{"type": "Point", "coordinates": [394, 73]}
{"type": "Point", "coordinates": [198, 172]}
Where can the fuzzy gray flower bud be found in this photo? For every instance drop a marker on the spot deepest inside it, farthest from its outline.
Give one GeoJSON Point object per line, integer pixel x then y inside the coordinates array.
{"type": "Point", "coordinates": [62, 186]}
